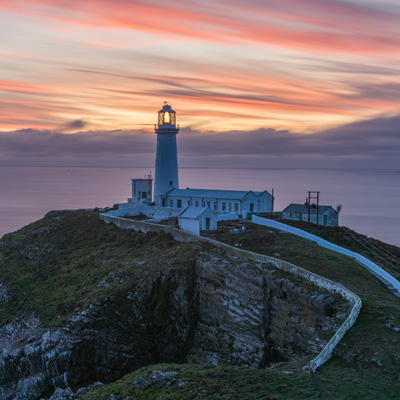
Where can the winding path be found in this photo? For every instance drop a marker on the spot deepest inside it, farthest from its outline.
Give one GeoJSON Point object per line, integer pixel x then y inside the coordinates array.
{"type": "Point", "coordinates": [389, 281]}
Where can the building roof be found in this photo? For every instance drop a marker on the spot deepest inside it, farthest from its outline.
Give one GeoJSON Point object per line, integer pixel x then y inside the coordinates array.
{"type": "Point", "coordinates": [194, 212]}
{"type": "Point", "coordinates": [303, 209]}
{"type": "Point", "coordinates": [167, 107]}
{"type": "Point", "coordinates": [212, 193]}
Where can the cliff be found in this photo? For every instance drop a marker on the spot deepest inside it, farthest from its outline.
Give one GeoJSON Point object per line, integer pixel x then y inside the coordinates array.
{"type": "Point", "coordinates": [81, 302]}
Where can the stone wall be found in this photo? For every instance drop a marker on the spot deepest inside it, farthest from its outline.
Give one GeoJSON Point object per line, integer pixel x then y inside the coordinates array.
{"type": "Point", "coordinates": [156, 213]}
{"type": "Point", "coordinates": [144, 227]}
{"type": "Point", "coordinates": [317, 280]}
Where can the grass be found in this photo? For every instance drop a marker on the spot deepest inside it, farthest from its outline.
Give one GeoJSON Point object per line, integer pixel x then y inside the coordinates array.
{"type": "Point", "coordinates": [207, 382]}
{"type": "Point", "coordinates": [385, 255]}
{"type": "Point", "coordinates": [366, 363]}
{"type": "Point", "coordinates": [69, 260]}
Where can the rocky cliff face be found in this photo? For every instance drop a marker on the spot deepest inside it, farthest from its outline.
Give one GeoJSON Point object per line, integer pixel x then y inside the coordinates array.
{"type": "Point", "coordinates": [211, 308]}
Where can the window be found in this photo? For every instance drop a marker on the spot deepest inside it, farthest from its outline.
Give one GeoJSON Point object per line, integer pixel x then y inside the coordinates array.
{"type": "Point", "coordinates": [223, 206]}
{"type": "Point", "coordinates": [208, 204]}
{"type": "Point", "coordinates": [179, 203]}
{"type": "Point", "coordinates": [189, 203]}
{"type": "Point", "coordinates": [197, 203]}
{"type": "Point", "coordinates": [230, 206]}
{"type": "Point", "coordinates": [170, 183]}
{"type": "Point", "coordinates": [215, 206]}
{"type": "Point", "coordinates": [144, 195]}
{"type": "Point", "coordinates": [171, 203]}
{"type": "Point", "coordinates": [203, 203]}
{"type": "Point", "coordinates": [236, 207]}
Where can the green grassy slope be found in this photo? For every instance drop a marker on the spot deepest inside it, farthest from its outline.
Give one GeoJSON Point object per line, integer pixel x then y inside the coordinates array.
{"type": "Point", "coordinates": [186, 382]}
{"type": "Point", "coordinates": [385, 255]}
{"type": "Point", "coordinates": [366, 363]}
{"type": "Point", "coordinates": [69, 260]}
{"type": "Point", "coordinates": [56, 264]}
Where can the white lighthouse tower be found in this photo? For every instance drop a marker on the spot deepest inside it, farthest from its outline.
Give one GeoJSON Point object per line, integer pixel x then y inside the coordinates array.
{"type": "Point", "coordinates": [166, 177]}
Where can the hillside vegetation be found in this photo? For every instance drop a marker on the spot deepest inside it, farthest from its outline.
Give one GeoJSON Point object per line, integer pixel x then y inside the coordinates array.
{"type": "Point", "coordinates": [366, 363]}
{"type": "Point", "coordinates": [82, 301]}
{"type": "Point", "coordinates": [72, 261]}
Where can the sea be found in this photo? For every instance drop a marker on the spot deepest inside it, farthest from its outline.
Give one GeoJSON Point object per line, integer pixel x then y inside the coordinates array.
{"type": "Point", "coordinates": [369, 199]}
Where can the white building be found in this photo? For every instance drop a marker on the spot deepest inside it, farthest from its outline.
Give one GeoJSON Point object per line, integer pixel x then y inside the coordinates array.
{"type": "Point", "coordinates": [196, 219]}
{"type": "Point", "coordinates": [166, 183]}
{"type": "Point", "coordinates": [220, 201]}
{"type": "Point", "coordinates": [323, 215]}
{"type": "Point", "coordinates": [142, 191]}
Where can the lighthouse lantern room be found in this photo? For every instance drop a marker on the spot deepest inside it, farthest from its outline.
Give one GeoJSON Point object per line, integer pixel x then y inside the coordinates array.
{"type": "Point", "coordinates": [167, 116]}
{"type": "Point", "coordinates": [166, 175]}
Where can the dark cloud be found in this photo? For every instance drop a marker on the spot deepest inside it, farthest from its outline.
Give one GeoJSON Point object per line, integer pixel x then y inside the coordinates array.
{"type": "Point", "coordinates": [74, 125]}
{"type": "Point", "coordinates": [389, 91]}
{"type": "Point", "coordinates": [368, 144]}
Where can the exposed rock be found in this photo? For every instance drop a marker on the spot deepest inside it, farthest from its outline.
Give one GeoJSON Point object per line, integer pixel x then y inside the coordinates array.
{"type": "Point", "coordinates": [218, 309]}
{"type": "Point", "coordinates": [155, 377]}
{"type": "Point", "coordinates": [4, 295]}
{"type": "Point", "coordinates": [68, 394]}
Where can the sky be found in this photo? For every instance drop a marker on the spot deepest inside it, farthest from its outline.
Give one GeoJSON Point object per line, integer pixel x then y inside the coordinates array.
{"type": "Point", "coordinates": [288, 83]}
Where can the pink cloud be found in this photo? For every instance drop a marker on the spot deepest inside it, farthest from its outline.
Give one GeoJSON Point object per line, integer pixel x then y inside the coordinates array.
{"type": "Point", "coordinates": [308, 25]}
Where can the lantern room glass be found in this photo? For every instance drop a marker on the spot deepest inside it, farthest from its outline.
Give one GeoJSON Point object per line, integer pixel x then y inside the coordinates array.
{"type": "Point", "coordinates": [166, 117]}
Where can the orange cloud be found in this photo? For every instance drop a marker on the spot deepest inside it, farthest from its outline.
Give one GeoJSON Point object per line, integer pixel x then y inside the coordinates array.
{"type": "Point", "coordinates": [307, 25]}
{"type": "Point", "coordinates": [220, 63]}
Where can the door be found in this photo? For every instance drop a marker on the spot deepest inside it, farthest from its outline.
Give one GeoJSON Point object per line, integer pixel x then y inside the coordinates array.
{"type": "Point", "coordinates": [325, 219]}
{"type": "Point", "coordinates": [208, 220]}
{"type": "Point", "coordinates": [251, 207]}
{"type": "Point", "coordinates": [163, 202]}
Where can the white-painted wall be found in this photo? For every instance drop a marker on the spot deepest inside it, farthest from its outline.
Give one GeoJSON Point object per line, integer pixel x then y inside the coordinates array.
{"type": "Point", "coordinates": [166, 174]}
{"type": "Point", "coordinates": [142, 191]}
{"type": "Point", "coordinates": [228, 217]}
{"type": "Point", "coordinates": [265, 202]}
{"type": "Point", "coordinates": [190, 225]}
{"type": "Point", "coordinates": [261, 203]}
{"type": "Point", "coordinates": [332, 217]}
{"type": "Point", "coordinates": [155, 213]}
{"type": "Point", "coordinates": [392, 283]}
{"type": "Point", "coordinates": [195, 225]}
{"type": "Point", "coordinates": [213, 220]}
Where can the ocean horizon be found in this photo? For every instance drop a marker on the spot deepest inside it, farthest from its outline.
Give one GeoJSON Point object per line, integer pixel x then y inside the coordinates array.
{"type": "Point", "coordinates": [368, 197]}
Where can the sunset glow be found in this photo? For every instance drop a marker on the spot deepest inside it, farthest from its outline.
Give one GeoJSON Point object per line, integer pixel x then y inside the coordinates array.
{"type": "Point", "coordinates": [299, 65]}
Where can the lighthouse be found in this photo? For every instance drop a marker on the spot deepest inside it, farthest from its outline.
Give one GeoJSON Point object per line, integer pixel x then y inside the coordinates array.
{"type": "Point", "coordinates": [166, 176]}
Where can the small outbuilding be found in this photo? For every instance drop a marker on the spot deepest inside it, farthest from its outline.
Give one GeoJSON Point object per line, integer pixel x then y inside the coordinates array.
{"type": "Point", "coordinates": [321, 215]}
{"type": "Point", "coordinates": [195, 219]}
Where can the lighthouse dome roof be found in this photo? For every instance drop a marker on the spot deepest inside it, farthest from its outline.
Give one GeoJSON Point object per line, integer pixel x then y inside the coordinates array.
{"type": "Point", "coordinates": [166, 107]}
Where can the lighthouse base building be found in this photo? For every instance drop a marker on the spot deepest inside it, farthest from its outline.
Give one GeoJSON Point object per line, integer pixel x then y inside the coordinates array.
{"type": "Point", "coordinates": [220, 201]}
{"type": "Point", "coordinates": [167, 193]}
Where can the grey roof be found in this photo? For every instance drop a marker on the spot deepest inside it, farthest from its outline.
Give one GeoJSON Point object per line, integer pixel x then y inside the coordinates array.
{"type": "Point", "coordinates": [167, 107]}
{"type": "Point", "coordinates": [303, 209]}
{"type": "Point", "coordinates": [194, 212]}
{"type": "Point", "coordinates": [212, 193]}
